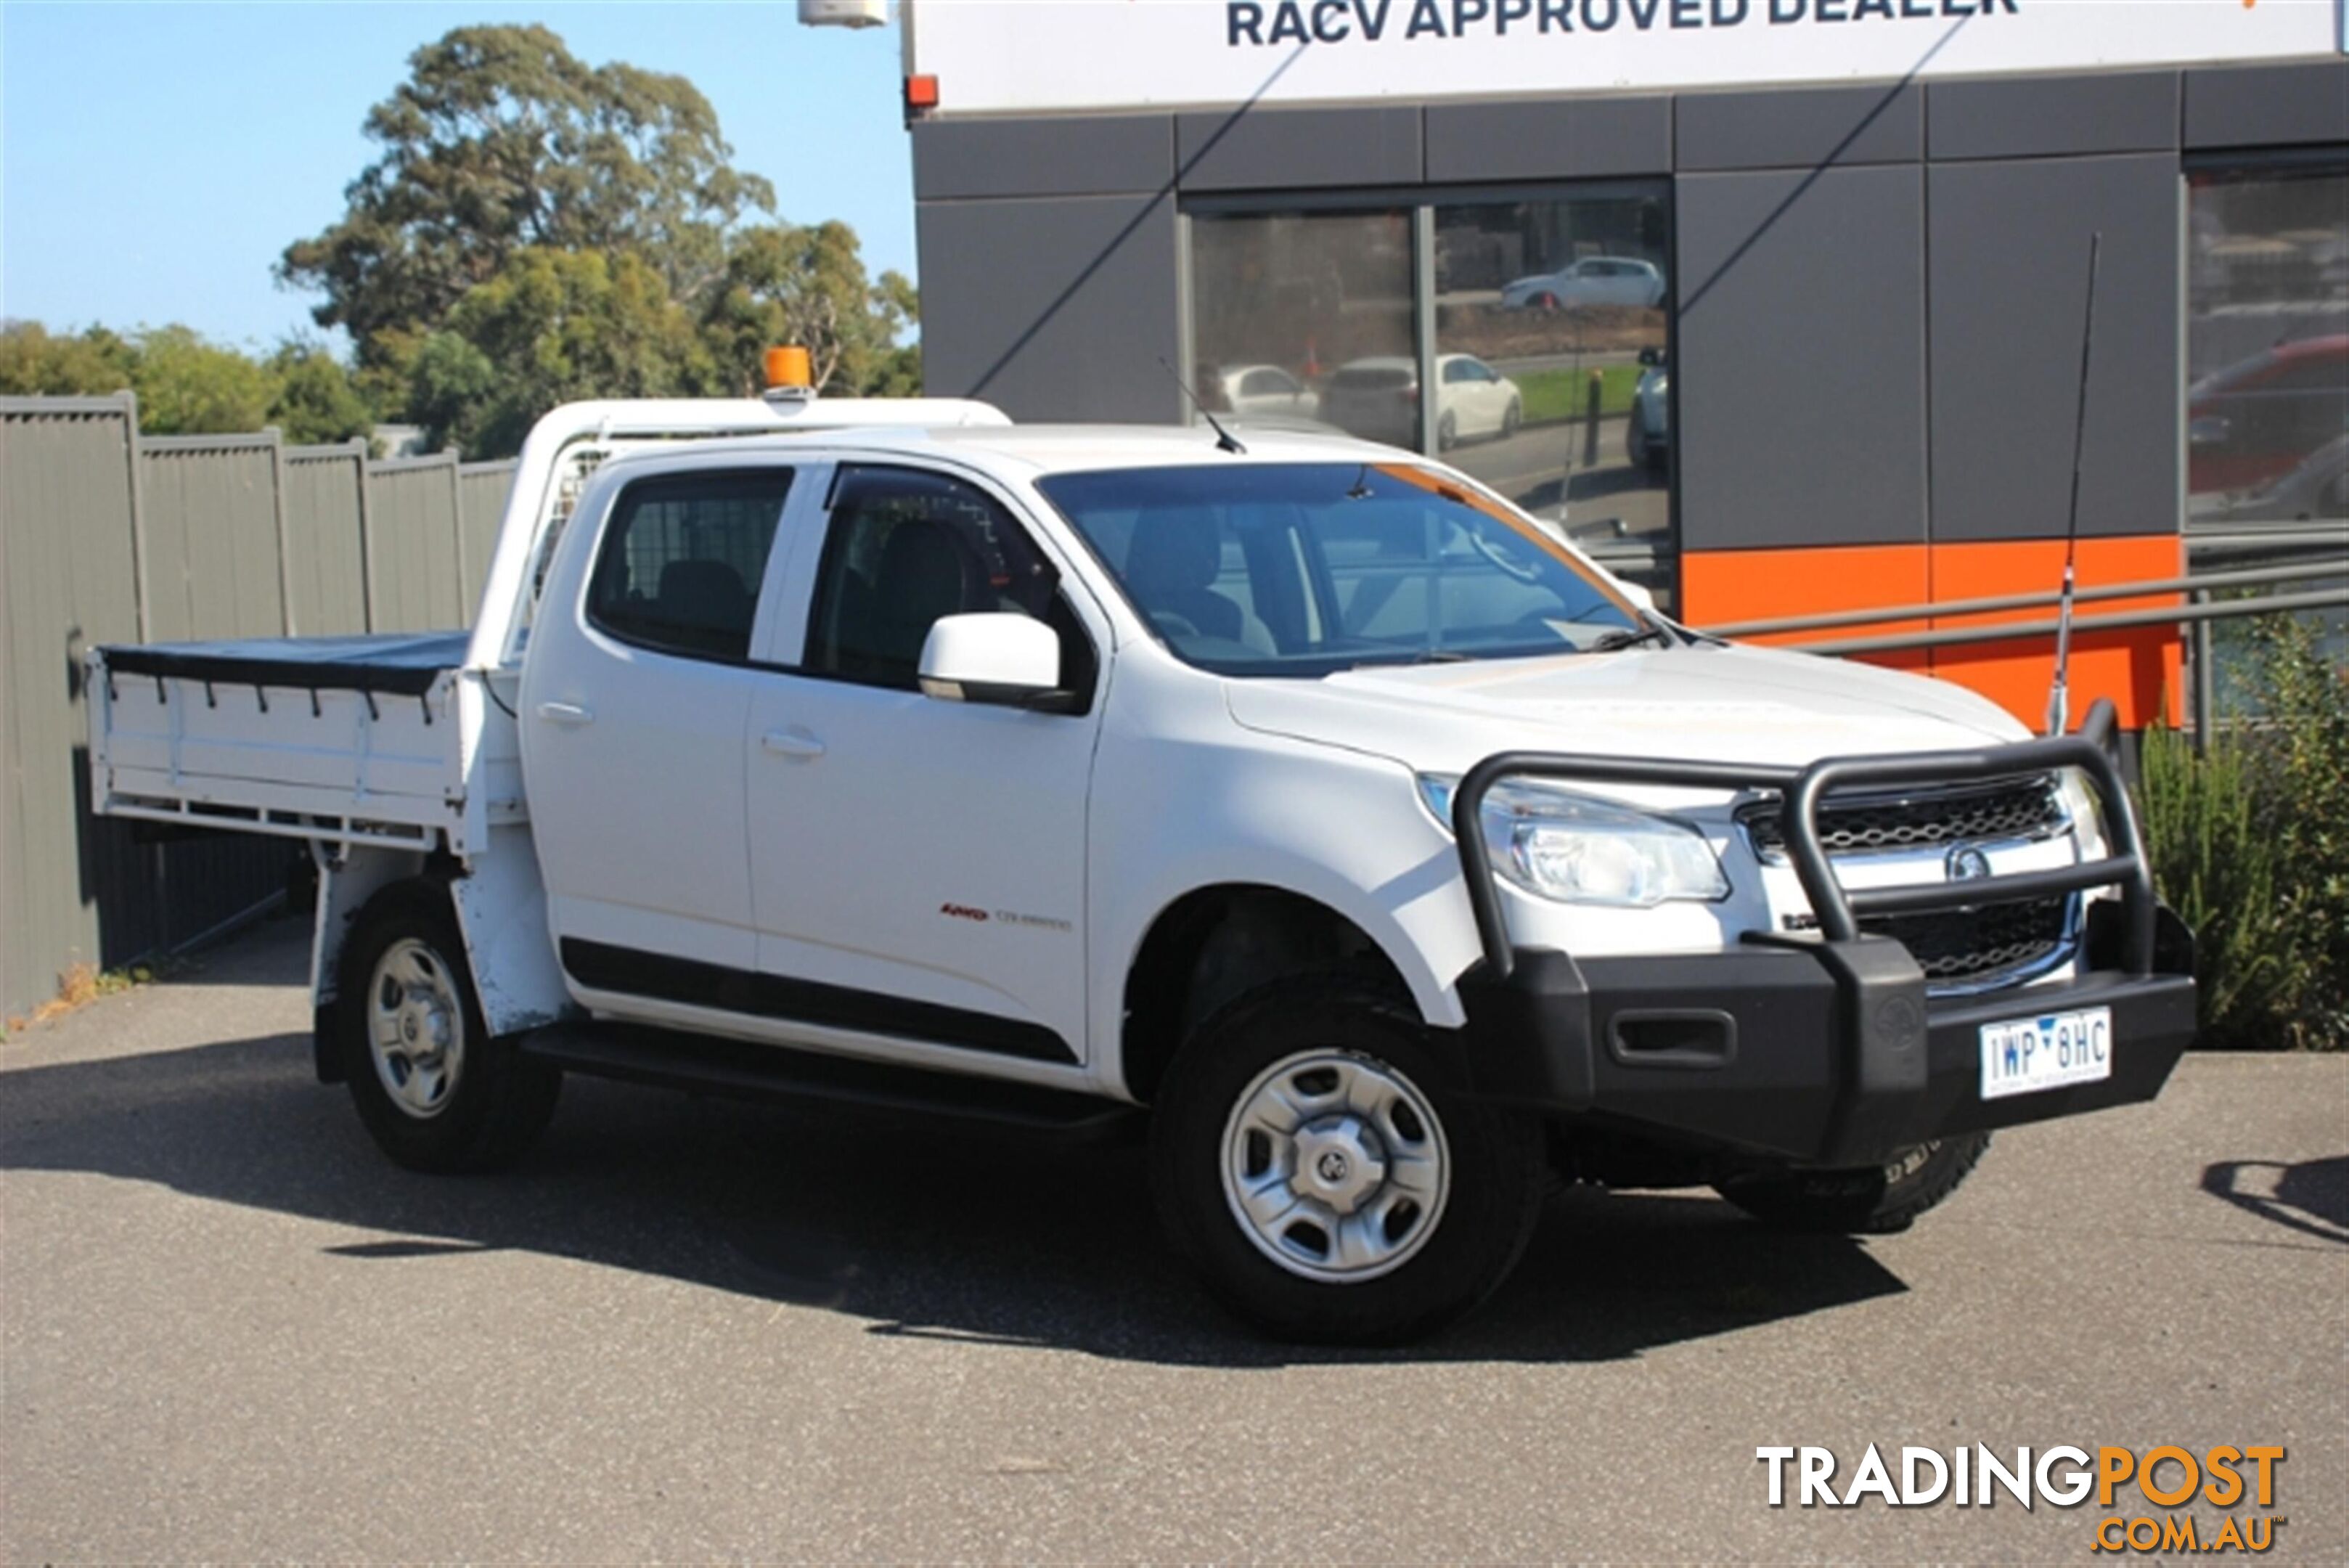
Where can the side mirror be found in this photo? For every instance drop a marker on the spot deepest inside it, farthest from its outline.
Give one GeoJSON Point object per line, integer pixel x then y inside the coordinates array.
{"type": "Point", "coordinates": [1652, 357]}
{"type": "Point", "coordinates": [999, 656]}
{"type": "Point", "coordinates": [1638, 593]}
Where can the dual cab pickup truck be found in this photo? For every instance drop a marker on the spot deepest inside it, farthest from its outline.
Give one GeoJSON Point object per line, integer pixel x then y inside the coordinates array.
{"type": "Point", "coordinates": [1309, 800]}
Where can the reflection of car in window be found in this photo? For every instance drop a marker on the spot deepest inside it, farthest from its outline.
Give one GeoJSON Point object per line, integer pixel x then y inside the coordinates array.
{"type": "Point", "coordinates": [2258, 419]}
{"type": "Point", "coordinates": [1648, 430]}
{"type": "Point", "coordinates": [1594, 280]}
{"type": "Point", "coordinates": [1252, 389]}
{"type": "Point", "coordinates": [1378, 400]}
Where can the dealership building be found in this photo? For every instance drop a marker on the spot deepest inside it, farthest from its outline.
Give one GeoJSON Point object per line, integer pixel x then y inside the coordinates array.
{"type": "Point", "coordinates": [1776, 305]}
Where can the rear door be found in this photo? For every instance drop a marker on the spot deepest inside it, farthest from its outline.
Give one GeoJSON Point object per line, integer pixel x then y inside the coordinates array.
{"type": "Point", "coordinates": [635, 690]}
{"type": "Point", "coordinates": [918, 865]}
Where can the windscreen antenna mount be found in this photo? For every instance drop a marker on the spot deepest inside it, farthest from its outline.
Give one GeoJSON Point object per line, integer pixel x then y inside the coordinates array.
{"type": "Point", "coordinates": [1223, 441]}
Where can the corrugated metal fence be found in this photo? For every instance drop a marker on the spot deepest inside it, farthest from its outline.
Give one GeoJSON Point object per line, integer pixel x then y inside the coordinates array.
{"type": "Point", "coordinates": [107, 535]}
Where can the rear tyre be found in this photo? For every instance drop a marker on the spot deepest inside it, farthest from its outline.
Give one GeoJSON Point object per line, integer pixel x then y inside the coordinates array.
{"type": "Point", "coordinates": [1875, 1202]}
{"type": "Point", "coordinates": [1311, 1162]}
{"type": "Point", "coordinates": [1514, 418]}
{"type": "Point", "coordinates": [1447, 432]}
{"type": "Point", "coordinates": [435, 1090]}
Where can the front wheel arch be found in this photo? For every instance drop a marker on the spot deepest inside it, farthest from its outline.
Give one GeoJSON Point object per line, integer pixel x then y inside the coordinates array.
{"type": "Point", "coordinates": [1217, 942]}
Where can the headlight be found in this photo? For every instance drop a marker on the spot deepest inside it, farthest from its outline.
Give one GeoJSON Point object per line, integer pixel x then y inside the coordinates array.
{"type": "Point", "coordinates": [1577, 850]}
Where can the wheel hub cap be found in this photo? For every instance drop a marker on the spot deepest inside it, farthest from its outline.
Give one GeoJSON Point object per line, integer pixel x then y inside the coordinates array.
{"type": "Point", "coordinates": [416, 1030]}
{"type": "Point", "coordinates": [1335, 1166]}
{"type": "Point", "coordinates": [1339, 1162]}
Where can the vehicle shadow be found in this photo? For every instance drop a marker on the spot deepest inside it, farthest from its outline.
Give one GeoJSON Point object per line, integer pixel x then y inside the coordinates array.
{"type": "Point", "coordinates": [926, 1230]}
{"type": "Point", "coordinates": [2310, 1196]}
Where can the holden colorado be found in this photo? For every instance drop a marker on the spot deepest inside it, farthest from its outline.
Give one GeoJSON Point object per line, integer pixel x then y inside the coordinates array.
{"type": "Point", "coordinates": [1297, 797]}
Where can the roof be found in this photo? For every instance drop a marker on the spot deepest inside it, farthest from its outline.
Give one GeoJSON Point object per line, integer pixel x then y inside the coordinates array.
{"type": "Point", "coordinates": [1061, 449]}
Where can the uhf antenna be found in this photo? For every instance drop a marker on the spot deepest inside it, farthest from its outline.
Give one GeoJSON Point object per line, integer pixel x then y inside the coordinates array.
{"type": "Point", "coordinates": [2059, 706]}
{"type": "Point", "coordinates": [1223, 441]}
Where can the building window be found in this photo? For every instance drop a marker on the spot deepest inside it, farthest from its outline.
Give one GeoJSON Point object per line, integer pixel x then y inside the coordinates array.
{"type": "Point", "coordinates": [1544, 321]}
{"type": "Point", "coordinates": [1550, 356]}
{"type": "Point", "coordinates": [1288, 307]}
{"type": "Point", "coordinates": [2267, 348]}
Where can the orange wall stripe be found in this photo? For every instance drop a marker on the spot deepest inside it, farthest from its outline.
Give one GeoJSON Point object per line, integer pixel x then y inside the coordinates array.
{"type": "Point", "coordinates": [1718, 587]}
{"type": "Point", "coordinates": [2138, 668]}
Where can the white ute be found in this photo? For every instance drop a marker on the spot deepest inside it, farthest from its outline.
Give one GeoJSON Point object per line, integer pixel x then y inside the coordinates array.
{"type": "Point", "coordinates": [1306, 798]}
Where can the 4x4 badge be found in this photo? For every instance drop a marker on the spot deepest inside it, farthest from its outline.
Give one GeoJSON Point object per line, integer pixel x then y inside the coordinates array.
{"type": "Point", "coordinates": [1966, 864]}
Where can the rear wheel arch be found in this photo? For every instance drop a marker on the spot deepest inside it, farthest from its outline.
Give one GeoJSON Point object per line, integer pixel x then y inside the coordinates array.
{"type": "Point", "coordinates": [1219, 942]}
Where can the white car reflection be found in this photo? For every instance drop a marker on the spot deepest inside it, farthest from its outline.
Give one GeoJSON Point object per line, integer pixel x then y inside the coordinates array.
{"type": "Point", "coordinates": [1378, 399]}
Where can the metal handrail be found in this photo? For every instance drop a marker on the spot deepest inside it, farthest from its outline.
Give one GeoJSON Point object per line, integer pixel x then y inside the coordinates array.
{"type": "Point", "coordinates": [1804, 789]}
{"type": "Point", "coordinates": [2224, 610]}
{"type": "Point", "coordinates": [2299, 571]}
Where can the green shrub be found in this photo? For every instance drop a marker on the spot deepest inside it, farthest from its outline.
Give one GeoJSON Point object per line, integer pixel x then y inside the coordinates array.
{"type": "Point", "coordinates": [2249, 844]}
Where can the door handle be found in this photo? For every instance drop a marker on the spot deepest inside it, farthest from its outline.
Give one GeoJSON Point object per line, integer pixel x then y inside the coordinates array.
{"type": "Point", "coordinates": [791, 743]}
{"type": "Point", "coordinates": [569, 714]}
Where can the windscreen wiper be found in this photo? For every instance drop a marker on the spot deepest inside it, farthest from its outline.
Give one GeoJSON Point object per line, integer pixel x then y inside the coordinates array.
{"type": "Point", "coordinates": [1615, 641]}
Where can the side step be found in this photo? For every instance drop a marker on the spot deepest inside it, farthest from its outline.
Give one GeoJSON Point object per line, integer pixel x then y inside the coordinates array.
{"type": "Point", "coordinates": [704, 1065]}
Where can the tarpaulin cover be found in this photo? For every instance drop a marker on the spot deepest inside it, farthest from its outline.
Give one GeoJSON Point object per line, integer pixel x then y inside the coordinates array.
{"type": "Point", "coordinates": [407, 663]}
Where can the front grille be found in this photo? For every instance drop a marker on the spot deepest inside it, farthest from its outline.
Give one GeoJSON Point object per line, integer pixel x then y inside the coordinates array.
{"type": "Point", "coordinates": [2029, 807]}
{"type": "Point", "coordinates": [1977, 947]}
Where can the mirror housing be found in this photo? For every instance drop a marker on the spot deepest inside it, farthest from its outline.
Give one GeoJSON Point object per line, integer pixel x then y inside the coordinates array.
{"type": "Point", "coordinates": [1638, 593]}
{"type": "Point", "coordinates": [999, 657]}
{"type": "Point", "coordinates": [1652, 357]}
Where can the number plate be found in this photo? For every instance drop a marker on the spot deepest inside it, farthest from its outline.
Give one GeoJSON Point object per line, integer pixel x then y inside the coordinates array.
{"type": "Point", "coordinates": [2052, 1051]}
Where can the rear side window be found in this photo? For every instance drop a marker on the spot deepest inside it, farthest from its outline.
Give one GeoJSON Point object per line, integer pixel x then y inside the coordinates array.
{"type": "Point", "coordinates": [682, 559]}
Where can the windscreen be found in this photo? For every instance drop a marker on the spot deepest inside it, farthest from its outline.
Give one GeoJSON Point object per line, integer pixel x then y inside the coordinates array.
{"type": "Point", "coordinates": [1305, 569]}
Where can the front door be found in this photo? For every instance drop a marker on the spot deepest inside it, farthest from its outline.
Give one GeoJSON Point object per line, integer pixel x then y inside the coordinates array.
{"type": "Point", "coordinates": [918, 864]}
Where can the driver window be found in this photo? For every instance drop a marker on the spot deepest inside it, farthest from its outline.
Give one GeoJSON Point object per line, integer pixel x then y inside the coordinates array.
{"type": "Point", "coordinates": [906, 547]}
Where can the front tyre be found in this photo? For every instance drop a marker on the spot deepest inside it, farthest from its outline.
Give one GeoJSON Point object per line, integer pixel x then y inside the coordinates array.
{"type": "Point", "coordinates": [1310, 1162]}
{"type": "Point", "coordinates": [1875, 1202]}
{"type": "Point", "coordinates": [434, 1089]}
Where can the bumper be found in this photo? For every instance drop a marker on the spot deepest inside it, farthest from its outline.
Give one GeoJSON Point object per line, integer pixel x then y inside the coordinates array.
{"type": "Point", "coordinates": [1823, 1050]}
{"type": "Point", "coordinates": [1825, 1055]}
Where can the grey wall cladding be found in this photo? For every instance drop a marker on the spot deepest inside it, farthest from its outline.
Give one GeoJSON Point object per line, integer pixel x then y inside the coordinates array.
{"type": "Point", "coordinates": [1800, 128]}
{"type": "Point", "coordinates": [2009, 259]}
{"type": "Point", "coordinates": [1800, 366]}
{"type": "Point", "coordinates": [1294, 148]}
{"type": "Point", "coordinates": [1562, 139]}
{"type": "Point", "coordinates": [2037, 117]}
{"type": "Point", "coordinates": [1052, 309]}
{"type": "Point", "coordinates": [1101, 155]}
{"type": "Point", "coordinates": [2268, 106]}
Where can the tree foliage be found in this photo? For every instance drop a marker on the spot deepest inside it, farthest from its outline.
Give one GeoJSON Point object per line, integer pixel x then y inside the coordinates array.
{"type": "Point", "coordinates": [532, 231]}
{"type": "Point", "coordinates": [536, 230]}
{"type": "Point", "coordinates": [502, 140]}
{"type": "Point", "coordinates": [808, 285]}
{"type": "Point", "coordinates": [188, 385]}
{"type": "Point", "coordinates": [553, 327]}
{"type": "Point", "coordinates": [36, 362]}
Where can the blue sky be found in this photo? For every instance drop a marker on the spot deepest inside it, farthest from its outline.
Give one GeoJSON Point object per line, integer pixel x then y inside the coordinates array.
{"type": "Point", "coordinates": [154, 159]}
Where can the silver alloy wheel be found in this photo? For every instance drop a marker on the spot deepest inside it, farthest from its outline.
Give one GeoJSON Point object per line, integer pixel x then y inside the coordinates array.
{"type": "Point", "coordinates": [1335, 1166]}
{"type": "Point", "coordinates": [416, 1028]}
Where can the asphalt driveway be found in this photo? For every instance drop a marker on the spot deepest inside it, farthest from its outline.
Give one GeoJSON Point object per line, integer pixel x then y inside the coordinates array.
{"type": "Point", "coordinates": [696, 1330]}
